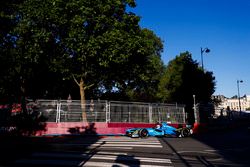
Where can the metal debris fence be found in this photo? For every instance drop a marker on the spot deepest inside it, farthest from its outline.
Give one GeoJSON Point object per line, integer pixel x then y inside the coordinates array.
{"type": "Point", "coordinates": [111, 111]}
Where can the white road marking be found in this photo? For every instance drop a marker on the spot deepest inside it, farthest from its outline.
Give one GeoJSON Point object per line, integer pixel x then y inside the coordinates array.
{"type": "Point", "coordinates": [211, 150]}
{"type": "Point", "coordinates": [113, 145]}
{"type": "Point", "coordinates": [130, 145]}
{"type": "Point", "coordinates": [131, 142]}
{"type": "Point", "coordinates": [105, 164]}
{"type": "Point", "coordinates": [118, 142]}
{"type": "Point", "coordinates": [129, 139]}
{"type": "Point", "coordinates": [124, 148]}
{"type": "Point", "coordinates": [88, 158]}
{"type": "Point", "coordinates": [46, 162]}
{"type": "Point", "coordinates": [103, 157]}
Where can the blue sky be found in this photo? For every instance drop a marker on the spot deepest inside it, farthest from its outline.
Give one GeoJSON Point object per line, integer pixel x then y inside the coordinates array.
{"type": "Point", "coordinates": [221, 25]}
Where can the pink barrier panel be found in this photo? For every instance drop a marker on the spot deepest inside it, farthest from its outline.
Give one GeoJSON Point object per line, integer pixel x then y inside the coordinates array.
{"type": "Point", "coordinates": [80, 128]}
{"type": "Point", "coordinates": [130, 125]}
{"type": "Point", "coordinates": [100, 128]}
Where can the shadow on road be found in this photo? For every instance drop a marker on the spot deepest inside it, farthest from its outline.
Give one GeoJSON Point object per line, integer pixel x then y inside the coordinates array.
{"type": "Point", "coordinates": [18, 147]}
{"type": "Point", "coordinates": [232, 144]}
{"type": "Point", "coordinates": [127, 160]}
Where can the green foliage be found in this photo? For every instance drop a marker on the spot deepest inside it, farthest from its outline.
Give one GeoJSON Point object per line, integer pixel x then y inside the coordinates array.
{"type": "Point", "coordinates": [8, 9]}
{"type": "Point", "coordinates": [45, 43]}
{"type": "Point", "coordinates": [184, 78]}
{"type": "Point", "coordinates": [100, 41]}
{"type": "Point", "coordinates": [149, 68]}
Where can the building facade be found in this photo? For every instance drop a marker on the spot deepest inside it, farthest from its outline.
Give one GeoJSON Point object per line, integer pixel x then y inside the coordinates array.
{"type": "Point", "coordinates": [233, 103]}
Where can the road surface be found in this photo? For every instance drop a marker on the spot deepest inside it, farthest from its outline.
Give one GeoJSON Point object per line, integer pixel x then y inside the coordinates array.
{"type": "Point", "coordinates": [216, 149]}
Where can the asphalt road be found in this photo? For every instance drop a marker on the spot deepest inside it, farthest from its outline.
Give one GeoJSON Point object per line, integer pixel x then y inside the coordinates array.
{"type": "Point", "coordinates": [213, 149]}
{"type": "Point", "coordinates": [230, 148]}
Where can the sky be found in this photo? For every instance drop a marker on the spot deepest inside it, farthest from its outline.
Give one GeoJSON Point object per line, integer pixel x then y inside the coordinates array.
{"type": "Point", "coordinates": [223, 26]}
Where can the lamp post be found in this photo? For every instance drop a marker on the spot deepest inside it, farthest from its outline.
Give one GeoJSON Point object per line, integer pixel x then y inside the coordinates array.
{"type": "Point", "coordinates": [238, 87]}
{"type": "Point", "coordinates": [206, 50]}
{"type": "Point", "coordinates": [195, 112]}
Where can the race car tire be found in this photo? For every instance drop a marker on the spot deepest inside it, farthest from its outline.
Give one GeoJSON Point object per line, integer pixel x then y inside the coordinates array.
{"type": "Point", "coordinates": [128, 134]}
{"type": "Point", "coordinates": [143, 133]}
{"type": "Point", "coordinates": [185, 132]}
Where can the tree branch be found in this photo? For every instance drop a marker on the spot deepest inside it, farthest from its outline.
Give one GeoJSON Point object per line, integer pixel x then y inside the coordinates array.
{"type": "Point", "coordinates": [89, 86]}
{"type": "Point", "coordinates": [75, 80]}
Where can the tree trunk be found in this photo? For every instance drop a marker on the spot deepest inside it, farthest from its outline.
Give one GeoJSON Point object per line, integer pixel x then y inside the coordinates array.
{"type": "Point", "coordinates": [83, 101]}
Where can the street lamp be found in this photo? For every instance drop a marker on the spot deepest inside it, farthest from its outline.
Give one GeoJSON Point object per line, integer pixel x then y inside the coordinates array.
{"type": "Point", "coordinates": [239, 81]}
{"type": "Point", "coordinates": [206, 50]}
{"type": "Point", "coordinates": [195, 112]}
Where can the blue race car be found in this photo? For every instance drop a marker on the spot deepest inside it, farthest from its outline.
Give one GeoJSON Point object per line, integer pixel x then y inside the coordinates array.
{"type": "Point", "coordinates": [160, 130]}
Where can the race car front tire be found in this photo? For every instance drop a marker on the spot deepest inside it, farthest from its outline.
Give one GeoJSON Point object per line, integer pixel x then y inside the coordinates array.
{"type": "Point", "coordinates": [128, 134]}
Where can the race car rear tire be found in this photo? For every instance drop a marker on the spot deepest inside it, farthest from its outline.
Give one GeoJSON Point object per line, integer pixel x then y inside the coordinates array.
{"type": "Point", "coordinates": [185, 132]}
{"type": "Point", "coordinates": [143, 133]}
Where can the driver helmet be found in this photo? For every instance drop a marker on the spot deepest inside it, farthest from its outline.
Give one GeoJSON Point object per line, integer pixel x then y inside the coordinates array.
{"type": "Point", "coordinates": [158, 126]}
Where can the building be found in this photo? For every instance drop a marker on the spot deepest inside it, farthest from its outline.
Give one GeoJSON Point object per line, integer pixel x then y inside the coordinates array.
{"type": "Point", "coordinates": [233, 103]}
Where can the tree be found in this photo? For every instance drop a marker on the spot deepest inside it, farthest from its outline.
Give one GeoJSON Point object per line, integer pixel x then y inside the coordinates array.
{"type": "Point", "coordinates": [138, 77]}
{"type": "Point", "coordinates": [98, 44]}
{"type": "Point", "coordinates": [184, 78]}
{"type": "Point", "coordinates": [146, 77]}
{"type": "Point", "coordinates": [28, 50]}
{"type": "Point", "coordinates": [8, 9]}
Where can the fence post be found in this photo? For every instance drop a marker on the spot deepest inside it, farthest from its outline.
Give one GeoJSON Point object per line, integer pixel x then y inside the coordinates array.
{"type": "Point", "coordinates": [150, 113]}
{"type": "Point", "coordinates": [129, 120]}
{"type": "Point", "coordinates": [107, 108]}
{"type": "Point", "coordinates": [184, 115]}
{"type": "Point", "coordinates": [58, 111]}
